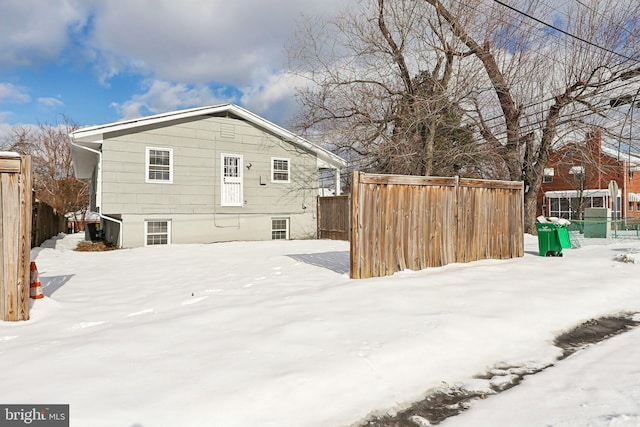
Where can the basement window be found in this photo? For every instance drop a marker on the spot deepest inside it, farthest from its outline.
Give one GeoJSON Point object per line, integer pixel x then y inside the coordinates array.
{"type": "Point", "coordinates": [279, 228]}
{"type": "Point", "coordinates": [157, 232]}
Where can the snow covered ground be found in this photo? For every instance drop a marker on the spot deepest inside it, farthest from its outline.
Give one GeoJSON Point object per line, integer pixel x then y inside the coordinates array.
{"type": "Point", "coordinates": [276, 334]}
{"type": "Point", "coordinates": [596, 387]}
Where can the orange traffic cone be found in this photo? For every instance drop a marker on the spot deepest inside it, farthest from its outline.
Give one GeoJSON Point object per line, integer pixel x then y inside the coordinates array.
{"type": "Point", "coordinates": [35, 288]}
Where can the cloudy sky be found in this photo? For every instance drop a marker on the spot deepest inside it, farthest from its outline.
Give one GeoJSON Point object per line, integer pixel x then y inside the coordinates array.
{"type": "Point", "coordinates": [99, 61]}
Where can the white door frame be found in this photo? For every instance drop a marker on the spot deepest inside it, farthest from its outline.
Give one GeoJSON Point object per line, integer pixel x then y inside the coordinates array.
{"type": "Point", "coordinates": [231, 181]}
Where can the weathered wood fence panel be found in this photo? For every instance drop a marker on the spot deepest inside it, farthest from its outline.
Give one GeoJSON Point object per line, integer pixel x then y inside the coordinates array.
{"type": "Point", "coordinates": [333, 217]}
{"type": "Point", "coordinates": [15, 236]}
{"type": "Point", "coordinates": [47, 222]}
{"type": "Point", "coordinates": [490, 220]}
{"type": "Point", "coordinates": [411, 222]}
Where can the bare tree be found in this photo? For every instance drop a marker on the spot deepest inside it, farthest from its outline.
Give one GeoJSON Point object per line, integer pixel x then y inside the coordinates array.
{"type": "Point", "coordinates": [54, 180]}
{"type": "Point", "coordinates": [385, 77]}
{"type": "Point", "coordinates": [582, 164]}
{"type": "Point", "coordinates": [381, 90]}
{"type": "Point", "coordinates": [525, 110]}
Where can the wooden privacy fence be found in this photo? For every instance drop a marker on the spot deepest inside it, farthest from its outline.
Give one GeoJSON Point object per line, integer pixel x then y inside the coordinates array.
{"type": "Point", "coordinates": [15, 236]}
{"type": "Point", "coordinates": [47, 222]}
{"type": "Point", "coordinates": [333, 217]}
{"type": "Point", "coordinates": [413, 222]}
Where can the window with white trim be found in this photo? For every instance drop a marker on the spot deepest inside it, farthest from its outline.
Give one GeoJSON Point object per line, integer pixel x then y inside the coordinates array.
{"type": "Point", "coordinates": [576, 170]}
{"type": "Point", "coordinates": [568, 207]}
{"type": "Point", "coordinates": [280, 170]}
{"type": "Point", "coordinates": [279, 228]}
{"type": "Point", "coordinates": [548, 174]}
{"type": "Point", "coordinates": [157, 232]}
{"type": "Point", "coordinates": [159, 162]}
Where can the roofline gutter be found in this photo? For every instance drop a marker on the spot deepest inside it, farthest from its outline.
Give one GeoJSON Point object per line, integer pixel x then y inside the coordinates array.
{"type": "Point", "coordinates": [102, 216]}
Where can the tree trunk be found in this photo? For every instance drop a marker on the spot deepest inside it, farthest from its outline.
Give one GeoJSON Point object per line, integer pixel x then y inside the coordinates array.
{"type": "Point", "coordinates": [530, 212]}
{"type": "Point", "coordinates": [428, 141]}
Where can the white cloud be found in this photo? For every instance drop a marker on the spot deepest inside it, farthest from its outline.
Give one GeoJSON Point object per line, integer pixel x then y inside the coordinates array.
{"type": "Point", "coordinates": [274, 97]}
{"type": "Point", "coordinates": [5, 129]}
{"type": "Point", "coordinates": [183, 49]}
{"type": "Point", "coordinates": [50, 102]}
{"type": "Point", "coordinates": [198, 41]}
{"type": "Point", "coordinates": [193, 41]}
{"type": "Point", "coordinates": [33, 30]}
{"type": "Point", "coordinates": [161, 96]}
{"type": "Point", "coordinates": [12, 93]}
{"type": "Point", "coordinates": [260, 96]}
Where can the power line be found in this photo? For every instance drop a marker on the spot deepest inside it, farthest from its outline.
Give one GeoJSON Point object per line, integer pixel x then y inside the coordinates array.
{"type": "Point", "coordinates": [623, 28]}
{"type": "Point", "coordinates": [601, 93]}
{"type": "Point", "coordinates": [576, 113]}
{"type": "Point", "coordinates": [600, 107]}
{"type": "Point", "coordinates": [565, 32]}
{"type": "Point", "coordinates": [602, 104]}
{"type": "Point", "coordinates": [508, 23]}
{"type": "Point", "coordinates": [627, 72]}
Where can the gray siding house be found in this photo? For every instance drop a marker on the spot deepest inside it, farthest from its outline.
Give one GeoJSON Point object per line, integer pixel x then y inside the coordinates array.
{"type": "Point", "coordinates": [201, 175]}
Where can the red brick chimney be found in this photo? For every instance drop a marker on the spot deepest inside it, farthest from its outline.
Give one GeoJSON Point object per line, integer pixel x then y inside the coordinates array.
{"type": "Point", "coordinates": [594, 151]}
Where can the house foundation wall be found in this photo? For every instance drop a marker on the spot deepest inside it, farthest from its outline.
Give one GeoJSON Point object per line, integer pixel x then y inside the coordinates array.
{"type": "Point", "coordinates": [211, 228]}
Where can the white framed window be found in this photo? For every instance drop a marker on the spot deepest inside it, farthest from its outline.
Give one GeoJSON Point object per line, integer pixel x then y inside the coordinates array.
{"type": "Point", "coordinates": [548, 174]}
{"type": "Point", "coordinates": [279, 228]}
{"type": "Point", "coordinates": [567, 207]}
{"type": "Point", "coordinates": [280, 170]}
{"type": "Point", "coordinates": [157, 232]}
{"type": "Point", "coordinates": [159, 165]}
{"type": "Point", "coordinates": [231, 180]}
{"type": "Point", "coordinates": [576, 170]}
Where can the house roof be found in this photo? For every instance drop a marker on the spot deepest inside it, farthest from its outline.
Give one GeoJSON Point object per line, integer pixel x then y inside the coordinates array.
{"type": "Point", "coordinates": [91, 137]}
{"type": "Point", "coordinates": [611, 148]}
{"type": "Point", "coordinates": [633, 159]}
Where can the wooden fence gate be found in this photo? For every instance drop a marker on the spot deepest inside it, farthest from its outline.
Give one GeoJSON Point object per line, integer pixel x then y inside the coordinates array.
{"type": "Point", "coordinates": [414, 222]}
{"type": "Point", "coordinates": [15, 235]}
{"type": "Point", "coordinates": [333, 217]}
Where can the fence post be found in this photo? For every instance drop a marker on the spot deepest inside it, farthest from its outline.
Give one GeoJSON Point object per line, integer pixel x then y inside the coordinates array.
{"type": "Point", "coordinates": [318, 218]}
{"type": "Point", "coordinates": [24, 272]}
{"type": "Point", "coordinates": [354, 242]}
{"type": "Point", "coordinates": [457, 217]}
{"type": "Point", "coordinates": [15, 236]}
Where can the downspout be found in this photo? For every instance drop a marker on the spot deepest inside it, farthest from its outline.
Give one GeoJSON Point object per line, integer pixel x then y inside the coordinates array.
{"type": "Point", "coordinates": [102, 216]}
{"type": "Point", "coordinates": [117, 221]}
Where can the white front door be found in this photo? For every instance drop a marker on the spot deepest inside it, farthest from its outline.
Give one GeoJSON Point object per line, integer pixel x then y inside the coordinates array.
{"type": "Point", "coordinates": [231, 186]}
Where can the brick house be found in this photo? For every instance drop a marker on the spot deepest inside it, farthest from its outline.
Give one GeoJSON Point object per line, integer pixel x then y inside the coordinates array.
{"type": "Point", "coordinates": [577, 176]}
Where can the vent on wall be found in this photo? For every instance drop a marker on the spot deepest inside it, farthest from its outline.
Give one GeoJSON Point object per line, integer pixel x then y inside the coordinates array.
{"type": "Point", "coordinates": [227, 131]}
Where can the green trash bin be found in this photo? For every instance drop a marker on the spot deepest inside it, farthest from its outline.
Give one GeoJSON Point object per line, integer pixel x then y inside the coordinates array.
{"type": "Point", "coordinates": [552, 238]}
